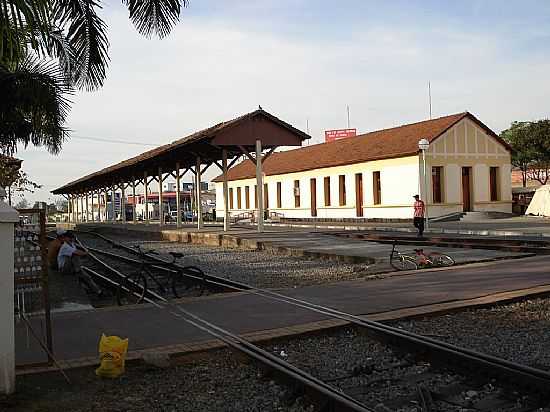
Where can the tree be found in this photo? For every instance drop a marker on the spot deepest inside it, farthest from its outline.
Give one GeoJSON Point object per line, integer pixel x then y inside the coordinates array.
{"type": "Point", "coordinates": [22, 204]}
{"type": "Point", "coordinates": [48, 49]}
{"type": "Point", "coordinates": [62, 205]}
{"type": "Point", "coordinates": [531, 144]}
{"type": "Point", "coordinates": [15, 179]}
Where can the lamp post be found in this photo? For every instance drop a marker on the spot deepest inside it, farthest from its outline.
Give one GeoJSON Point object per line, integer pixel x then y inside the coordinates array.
{"type": "Point", "coordinates": [424, 144]}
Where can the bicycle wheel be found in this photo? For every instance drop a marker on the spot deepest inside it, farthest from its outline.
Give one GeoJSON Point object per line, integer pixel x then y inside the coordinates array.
{"type": "Point", "coordinates": [443, 260]}
{"type": "Point", "coordinates": [189, 281]}
{"type": "Point", "coordinates": [403, 263]}
{"type": "Point", "coordinates": [131, 290]}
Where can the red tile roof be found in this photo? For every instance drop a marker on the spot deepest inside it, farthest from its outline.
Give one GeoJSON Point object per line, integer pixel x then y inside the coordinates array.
{"type": "Point", "coordinates": [382, 144]}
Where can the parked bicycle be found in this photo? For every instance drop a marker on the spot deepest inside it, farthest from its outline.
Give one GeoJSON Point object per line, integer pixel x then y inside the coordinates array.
{"type": "Point", "coordinates": [420, 259]}
{"type": "Point", "coordinates": [134, 287]}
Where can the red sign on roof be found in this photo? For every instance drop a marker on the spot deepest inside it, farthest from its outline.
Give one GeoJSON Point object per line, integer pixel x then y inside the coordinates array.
{"type": "Point", "coordinates": [333, 135]}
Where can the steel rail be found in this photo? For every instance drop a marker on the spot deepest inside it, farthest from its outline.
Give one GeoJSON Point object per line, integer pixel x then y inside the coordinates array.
{"type": "Point", "coordinates": [213, 279]}
{"type": "Point", "coordinates": [520, 375]}
{"type": "Point", "coordinates": [117, 272]}
{"type": "Point", "coordinates": [137, 262]}
{"type": "Point", "coordinates": [113, 283]}
{"type": "Point", "coordinates": [336, 400]}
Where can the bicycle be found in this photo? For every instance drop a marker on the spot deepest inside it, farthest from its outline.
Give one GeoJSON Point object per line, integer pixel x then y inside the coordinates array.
{"type": "Point", "coordinates": [401, 261]}
{"type": "Point", "coordinates": [133, 288]}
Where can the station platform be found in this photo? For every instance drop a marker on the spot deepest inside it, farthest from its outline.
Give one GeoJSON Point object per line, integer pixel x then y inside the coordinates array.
{"type": "Point", "coordinates": [77, 333]}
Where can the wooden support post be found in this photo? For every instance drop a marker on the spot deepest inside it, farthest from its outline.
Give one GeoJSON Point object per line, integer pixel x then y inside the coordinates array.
{"type": "Point", "coordinates": [93, 214]}
{"type": "Point", "coordinates": [113, 216]}
{"type": "Point", "coordinates": [146, 188]}
{"type": "Point", "coordinates": [77, 217]}
{"type": "Point", "coordinates": [260, 185]}
{"type": "Point", "coordinates": [87, 210]}
{"type": "Point", "coordinates": [198, 192]}
{"type": "Point", "coordinates": [226, 216]}
{"type": "Point", "coordinates": [69, 209]}
{"type": "Point", "coordinates": [81, 208]}
{"type": "Point", "coordinates": [178, 194]}
{"type": "Point", "coordinates": [123, 202]}
{"type": "Point", "coordinates": [106, 211]}
{"type": "Point", "coordinates": [99, 206]}
{"type": "Point", "coordinates": [161, 209]}
{"type": "Point", "coordinates": [134, 217]}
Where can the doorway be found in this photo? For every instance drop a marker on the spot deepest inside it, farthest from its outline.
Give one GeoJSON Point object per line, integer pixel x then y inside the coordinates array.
{"type": "Point", "coordinates": [313, 188]}
{"type": "Point", "coordinates": [359, 194]}
{"type": "Point", "coordinates": [466, 189]}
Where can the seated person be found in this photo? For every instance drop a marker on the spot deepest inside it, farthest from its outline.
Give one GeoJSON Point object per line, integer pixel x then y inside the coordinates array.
{"type": "Point", "coordinates": [53, 248]}
{"type": "Point", "coordinates": [68, 262]}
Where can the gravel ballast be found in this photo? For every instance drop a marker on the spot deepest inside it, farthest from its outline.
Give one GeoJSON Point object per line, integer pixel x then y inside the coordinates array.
{"type": "Point", "coordinates": [345, 358]}
{"type": "Point", "coordinates": [257, 268]}
{"type": "Point", "coordinates": [216, 382]}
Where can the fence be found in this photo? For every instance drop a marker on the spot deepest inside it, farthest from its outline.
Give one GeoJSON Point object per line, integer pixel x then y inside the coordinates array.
{"type": "Point", "coordinates": [31, 293]}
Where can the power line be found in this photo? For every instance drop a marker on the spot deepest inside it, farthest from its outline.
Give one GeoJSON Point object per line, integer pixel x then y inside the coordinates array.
{"type": "Point", "coordinates": [106, 140]}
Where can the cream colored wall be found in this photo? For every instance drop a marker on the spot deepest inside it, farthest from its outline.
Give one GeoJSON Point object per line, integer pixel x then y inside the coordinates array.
{"type": "Point", "coordinates": [399, 181]}
{"type": "Point", "coordinates": [465, 144]}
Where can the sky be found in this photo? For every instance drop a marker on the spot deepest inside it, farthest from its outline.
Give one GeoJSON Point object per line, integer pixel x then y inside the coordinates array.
{"type": "Point", "coordinates": [304, 61]}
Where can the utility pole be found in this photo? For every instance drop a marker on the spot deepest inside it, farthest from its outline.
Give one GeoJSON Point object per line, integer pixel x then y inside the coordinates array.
{"type": "Point", "coordinates": [430, 98]}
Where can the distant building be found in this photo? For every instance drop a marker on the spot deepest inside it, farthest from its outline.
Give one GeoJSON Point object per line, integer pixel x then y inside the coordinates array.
{"type": "Point", "coordinates": [375, 175]}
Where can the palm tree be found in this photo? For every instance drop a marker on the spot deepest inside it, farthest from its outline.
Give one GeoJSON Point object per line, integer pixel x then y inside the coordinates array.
{"type": "Point", "coordinates": [50, 48]}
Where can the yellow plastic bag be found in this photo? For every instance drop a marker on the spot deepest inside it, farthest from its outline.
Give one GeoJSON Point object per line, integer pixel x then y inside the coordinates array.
{"type": "Point", "coordinates": [112, 356]}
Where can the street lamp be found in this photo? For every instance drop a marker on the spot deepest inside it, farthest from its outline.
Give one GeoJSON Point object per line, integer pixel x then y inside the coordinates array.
{"type": "Point", "coordinates": [424, 144]}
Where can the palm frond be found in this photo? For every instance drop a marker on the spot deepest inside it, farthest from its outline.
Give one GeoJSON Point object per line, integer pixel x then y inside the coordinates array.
{"type": "Point", "coordinates": [15, 17]}
{"type": "Point", "coordinates": [155, 16]}
{"type": "Point", "coordinates": [86, 35]}
{"type": "Point", "coordinates": [35, 107]}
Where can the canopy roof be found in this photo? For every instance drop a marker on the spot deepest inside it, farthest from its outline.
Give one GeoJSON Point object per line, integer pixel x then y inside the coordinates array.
{"type": "Point", "coordinates": [207, 144]}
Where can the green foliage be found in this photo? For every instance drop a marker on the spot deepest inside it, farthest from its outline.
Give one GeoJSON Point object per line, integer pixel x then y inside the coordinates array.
{"type": "Point", "coordinates": [48, 48]}
{"type": "Point", "coordinates": [531, 144]}
{"type": "Point", "coordinates": [34, 106]}
{"type": "Point", "coordinates": [15, 179]}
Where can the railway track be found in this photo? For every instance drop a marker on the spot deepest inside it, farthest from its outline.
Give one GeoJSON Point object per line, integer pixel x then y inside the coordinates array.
{"type": "Point", "coordinates": [514, 387]}
{"type": "Point", "coordinates": [530, 246]}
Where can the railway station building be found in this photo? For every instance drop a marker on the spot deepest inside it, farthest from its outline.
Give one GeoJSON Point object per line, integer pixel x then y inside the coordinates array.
{"type": "Point", "coordinates": [375, 175]}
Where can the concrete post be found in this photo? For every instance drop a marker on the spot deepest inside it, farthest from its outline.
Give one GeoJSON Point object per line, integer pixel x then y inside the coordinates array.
{"type": "Point", "coordinates": [8, 217]}
{"type": "Point", "coordinates": [226, 217]}
{"type": "Point", "coordinates": [178, 194]}
{"type": "Point", "coordinates": [161, 209]}
{"type": "Point", "coordinates": [260, 185]}
{"type": "Point", "coordinates": [198, 191]}
{"type": "Point", "coordinates": [81, 208]}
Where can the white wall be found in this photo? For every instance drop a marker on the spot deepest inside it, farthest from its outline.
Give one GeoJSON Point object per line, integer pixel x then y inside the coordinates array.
{"type": "Point", "coordinates": [399, 182]}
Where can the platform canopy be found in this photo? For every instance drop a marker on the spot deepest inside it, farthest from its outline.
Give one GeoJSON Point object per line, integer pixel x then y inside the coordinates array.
{"type": "Point", "coordinates": [235, 137]}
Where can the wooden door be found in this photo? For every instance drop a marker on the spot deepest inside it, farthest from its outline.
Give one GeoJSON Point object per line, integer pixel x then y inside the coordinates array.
{"type": "Point", "coordinates": [313, 191]}
{"type": "Point", "coordinates": [359, 194]}
{"type": "Point", "coordinates": [466, 189]}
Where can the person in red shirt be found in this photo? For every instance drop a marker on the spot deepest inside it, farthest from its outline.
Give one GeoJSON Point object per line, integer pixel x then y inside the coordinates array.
{"type": "Point", "coordinates": [418, 220]}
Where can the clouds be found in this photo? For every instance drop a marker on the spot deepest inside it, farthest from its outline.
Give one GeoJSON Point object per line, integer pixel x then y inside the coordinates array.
{"type": "Point", "coordinates": [305, 61]}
